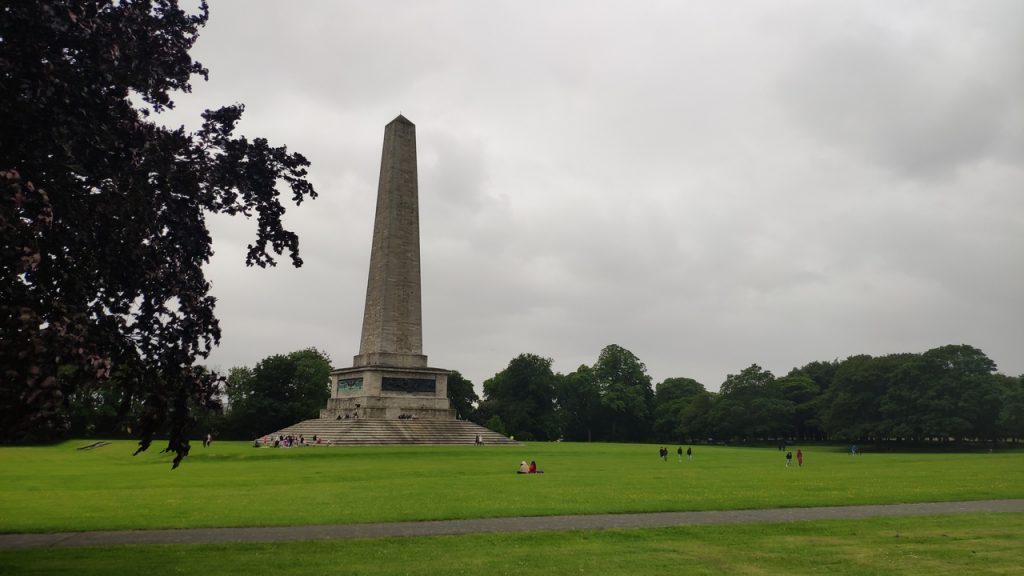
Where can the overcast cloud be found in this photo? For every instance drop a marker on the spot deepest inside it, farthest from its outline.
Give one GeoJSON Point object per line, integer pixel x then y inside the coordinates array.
{"type": "Point", "coordinates": [707, 184]}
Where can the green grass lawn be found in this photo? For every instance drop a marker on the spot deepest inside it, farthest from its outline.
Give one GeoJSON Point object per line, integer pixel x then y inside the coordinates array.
{"type": "Point", "coordinates": [58, 488]}
{"type": "Point", "coordinates": [936, 545]}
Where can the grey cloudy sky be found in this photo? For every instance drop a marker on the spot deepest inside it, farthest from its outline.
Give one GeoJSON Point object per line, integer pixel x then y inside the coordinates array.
{"type": "Point", "coordinates": [707, 184]}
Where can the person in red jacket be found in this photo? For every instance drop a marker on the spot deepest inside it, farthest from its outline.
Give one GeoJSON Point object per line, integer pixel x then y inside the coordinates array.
{"type": "Point", "coordinates": [799, 457]}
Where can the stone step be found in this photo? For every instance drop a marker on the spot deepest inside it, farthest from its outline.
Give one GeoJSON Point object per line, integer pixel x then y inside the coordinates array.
{"type": "Point", "coordinates": [378, 432]}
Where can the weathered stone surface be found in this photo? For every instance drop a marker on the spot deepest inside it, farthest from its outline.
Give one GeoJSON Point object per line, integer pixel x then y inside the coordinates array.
{"type": "Point", "coordinates": [392, 318]}
{"type": "Point", "coordinates": [370, 400]}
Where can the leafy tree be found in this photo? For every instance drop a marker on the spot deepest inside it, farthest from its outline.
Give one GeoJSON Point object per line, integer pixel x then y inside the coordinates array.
{"type": "Point", "coordinates": [522, 395]}
{"type": "Point", "coordinates": [102, 214]}
{"type": "Point", "coordinates": [803, 396]}
{"type": "Point", "coordinates": [947, 392]}
{"type": "Point", "coordinates": [281, 390]}
{"type": "Point", "coordinates": [107, 411]}
{"type": "Point", "coordinates": [748, 384]}
{"type": "Point", "coordinates": [578, 399]}
{"type": "Point", "coordinates": [671, 399]}
{"type": "Point", "coordinates": [821, 372]}
{"type": "Point", "coordinates": [462, 395]}
{"type": "Point", "coordinates": [750, 406]}
{"type": "Point", "coordinates": [239, 385]}
{"type": "Point", "coordinates": [494, 423]}
{"type": "Point", "coordinates": [95, 412]}
{"type": "Point", "coordinates": [695, 421]}
{"type": "Point", "coordinates": [853, 399]}
{"type": "Point", "coordinates": [959, 395]}
{"type": "Point", "coordinates": [950, 392]}
{"type": "Point", "coordinates": [672, 389]}
{"type": "Point", "coordinates": [863, 402]}
{"type": "Point", "coordinates": [811, 415]}
{"type": "Point", "coordinates": [626, 393]}
{"type": "Point", "coordinates": [1010, 423]}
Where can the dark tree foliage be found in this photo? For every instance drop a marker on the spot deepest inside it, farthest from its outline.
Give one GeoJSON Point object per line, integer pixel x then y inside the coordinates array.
{"type": "Point", "coordinates": [281, 390]}
{"type": "Point", "coordinates": [462, 395]}
{"type": "Point", "coordinates": [627, 396]}
{"type": "Point", "coordinates": [821, 372]}
{"type": "Point", "coordinates": [855, 399]}
{"type": "Point", "coordinates": [751, 406]}
{"type": "Point", "coordinates": [950, 393]}
{"type": "Point", "coordinates": [672, 398]}
{"type": "Point", "coordinates": [1010, 423]}
{"type": "Point", "coordinates": [522, 395]}
{"type": "Point", "coordinates": [802, 394]}
{"type": "Point", "coordinates": [102, 214]}
{"type": "Point", "coordinates": [695, 421]}
{"type": "Point", "coordinates": [578, 401]}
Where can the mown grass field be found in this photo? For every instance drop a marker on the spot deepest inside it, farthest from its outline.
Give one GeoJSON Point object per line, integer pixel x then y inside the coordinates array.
{"type": "Point", "coordinates": [933, 546]}
{"type": "Point", "coordinates": [57, 488]}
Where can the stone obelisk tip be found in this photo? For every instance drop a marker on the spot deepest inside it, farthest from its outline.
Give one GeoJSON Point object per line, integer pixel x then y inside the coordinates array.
{"type": "Point", "coordinates": [401, 120]}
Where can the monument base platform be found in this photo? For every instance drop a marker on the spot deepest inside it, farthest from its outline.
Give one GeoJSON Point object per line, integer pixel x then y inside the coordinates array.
{"type": "Point", "coordinates": [377, 432]}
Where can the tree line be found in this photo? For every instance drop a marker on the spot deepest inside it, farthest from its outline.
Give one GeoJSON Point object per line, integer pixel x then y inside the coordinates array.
{"type": "Point", "coordinates": [949, 393]}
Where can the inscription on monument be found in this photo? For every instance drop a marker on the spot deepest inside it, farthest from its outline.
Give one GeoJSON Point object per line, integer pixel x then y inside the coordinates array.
{"type": "Point", "coordinates": [421, 385]}
{"type": "Point", "coordinates": [350, 385]}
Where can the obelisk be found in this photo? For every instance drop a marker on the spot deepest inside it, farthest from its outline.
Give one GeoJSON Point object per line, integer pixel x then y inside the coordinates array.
{"type": "Point", "coordinates": [392, 318]}
{"type": "Point", "coordinates": [389, 378]}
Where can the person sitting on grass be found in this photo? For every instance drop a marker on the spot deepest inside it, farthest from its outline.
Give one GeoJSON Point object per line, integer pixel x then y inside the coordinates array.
{"type": "Point", "coordinates": [524, 468]}
{"type": "Point", "coordinates": [533, 468]}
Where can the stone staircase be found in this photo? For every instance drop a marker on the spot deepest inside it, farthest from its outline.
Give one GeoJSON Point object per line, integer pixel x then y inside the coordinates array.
{"type": "Point", "coordinates": [378, 432]}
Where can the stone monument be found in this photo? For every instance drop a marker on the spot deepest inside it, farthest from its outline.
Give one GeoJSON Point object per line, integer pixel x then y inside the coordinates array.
{"type": "Point", "coordinates": [389, 378]}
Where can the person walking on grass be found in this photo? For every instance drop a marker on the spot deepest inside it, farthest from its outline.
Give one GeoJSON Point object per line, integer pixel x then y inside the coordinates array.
{"type": "Point", "coordinates": [789, 459]}
{"type": "Point", "coordinates": [689, 454]}
{"type": "Point", "coordinates": [799, 457]}
{"type": "Point", "coordinates": [679, 451]}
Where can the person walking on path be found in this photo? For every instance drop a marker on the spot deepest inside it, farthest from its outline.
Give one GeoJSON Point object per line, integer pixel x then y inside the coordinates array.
{"type": "Point", "coordinates": [789, 459]}
{"type": "Point", "coordinates": [799, 457]}
{"type": "Point", "coordinates": [679, 451]}
{"type": "Point", "coordinates": [689, 454]}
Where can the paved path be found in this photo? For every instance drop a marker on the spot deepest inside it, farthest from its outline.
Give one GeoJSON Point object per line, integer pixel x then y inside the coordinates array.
{"type": "Point", "coordinates": [521, 524]}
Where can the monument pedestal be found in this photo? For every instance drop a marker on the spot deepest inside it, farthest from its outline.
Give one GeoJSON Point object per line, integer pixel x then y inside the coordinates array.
{"type": "Point", "coordinates": [388, 392]}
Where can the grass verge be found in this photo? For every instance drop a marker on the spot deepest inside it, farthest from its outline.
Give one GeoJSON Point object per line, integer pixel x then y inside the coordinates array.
{"type": "Point", "coordinates": [57, 488]}
{"type": "Point", "coordinates": [932, 546]}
